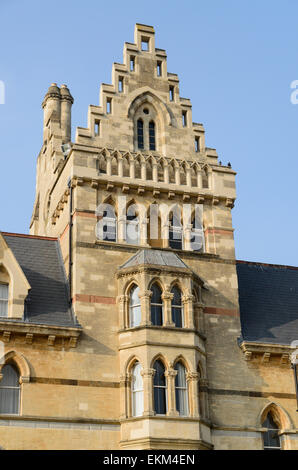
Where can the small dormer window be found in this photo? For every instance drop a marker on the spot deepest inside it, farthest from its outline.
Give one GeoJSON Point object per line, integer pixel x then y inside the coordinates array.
{"type": "Point", "coordinates": [120, 85]}
{"type": "Point", "coordinates": [3, 300]}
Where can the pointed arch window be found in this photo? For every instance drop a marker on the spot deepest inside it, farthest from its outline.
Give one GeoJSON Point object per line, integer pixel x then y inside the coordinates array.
{"type": "Point", "coordinates": [3, 300]}
{"type": "Point", "coordinates": [137, 390]}
{"type": "Point", "coordinates": [151, 135]}
{"type": "Point", "coordinates": [160, 388]}
{"type": "Point", "coordinates": [134, 307]}
{"type": "Point", "coordinates": [140, 133]}
{"type": "Point", "coordinates": [197, 233]}
{"type": "Point", "coordinates": [156, 305]}
{"type": "Point", "coordinates": [9, 390]}
{"type": "Point", "coordinates": [271, 438]}
{"type": "Point", "coordinates": [181, 391]}
{"type": "Point", "coordinates": [175, 230]}
{"type": "Point", "coordinates": [109, 225]}
{"type": "Point", "coordinates": [177, 310]}
{"type": "Point", "coordinates": [132, 226]}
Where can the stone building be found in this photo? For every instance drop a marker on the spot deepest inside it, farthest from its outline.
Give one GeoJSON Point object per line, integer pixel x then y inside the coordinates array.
{"type": "Point", "coordinates": [125, 320]}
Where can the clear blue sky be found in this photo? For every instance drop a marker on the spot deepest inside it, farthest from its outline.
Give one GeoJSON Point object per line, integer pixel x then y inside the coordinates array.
{"type": "Point", "coordinates": [235, 60]}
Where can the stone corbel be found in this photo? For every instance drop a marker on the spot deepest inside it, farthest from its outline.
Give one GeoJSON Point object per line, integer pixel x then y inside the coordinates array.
{"type": "Point", "coordinates": [229, 203]}
{"type": "Point", "coordinates": [73, 340]}
{"type": "Point", "coordinates": [29, 338]}
{"type": "Point", "coordinates": [51, 340]}
{"type": "Point", "coordinates": [200, 199]}
{"type": "Point", "coordinates": [215, 200]}
{"type": "Point", "coordinates": [171, 195]}
{"type": "Point", "coordinates": [6, 336]}
{"type": "Point", "coordinates": [266, 357]}
{"type": "Point", "coordinates": [110, 186]}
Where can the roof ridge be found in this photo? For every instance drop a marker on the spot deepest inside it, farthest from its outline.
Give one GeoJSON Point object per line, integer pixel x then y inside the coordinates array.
{"type": "Point", "coordinates": [24, 235]}
{"type": "Point", "coordinates": [258, 263]}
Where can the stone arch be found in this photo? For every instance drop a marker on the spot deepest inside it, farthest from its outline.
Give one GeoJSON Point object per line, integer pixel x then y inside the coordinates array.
{"type": "Point", "coordinates": [183, 361]}
{"type": "Point", "coordinates": [279, 415]}
{"type": "Point", "coordinates": [20, 362]}
{"type": "Point", "coordinates": [160, 357]}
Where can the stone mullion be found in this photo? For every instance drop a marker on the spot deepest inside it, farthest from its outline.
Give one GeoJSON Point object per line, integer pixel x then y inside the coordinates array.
{"type": "Point", "coordinates": [193, 393]}
{"type": "Point", "coordinates": [148, 375]}
{"type": "Point", "coordinates": [170, 376]}
{"type": "Point", "coordinates": [167, 308]}
{"type": "Point", "coordinates": [165, 234]}
{"type": "Point", "coordinates": [145, 298]}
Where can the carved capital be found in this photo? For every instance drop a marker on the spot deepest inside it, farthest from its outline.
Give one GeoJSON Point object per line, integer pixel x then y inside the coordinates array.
{"type": "Point", "coordinates": [171, 373]}
{"type": "Point", "coordinates": [147, 373]}
{"type": "Point", "coordinates": [192, 376]}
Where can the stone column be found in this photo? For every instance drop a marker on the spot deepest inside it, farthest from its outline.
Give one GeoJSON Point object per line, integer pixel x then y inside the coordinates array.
{"type": "Point", "coordinates": [143, 230]}
{"type": "Point", "coordinates": [120, 167]}
{"type": "Point", "coordinates": [109, 165]}
{"type": "Point", "coordinates": [145, 298]}
{"type": "Point", "coordinates": [148, 375]}
{"type": "Point", "coordinates": [165, 234]}
{"type": "Point", "coordinates": [199, 317]}
{"type": "Point", "coordinates": [122, 228]}
{"type": "Point", "coordinates": [125, 398]}
{"type": "Point", "coordinates": [132, 169]}
{"type": "Point", "coordinates": [123, 311]}
{"type": "Point", "coordinates": [170, 376]}
{"type": "Point", "coordinates": [188, 177]}
{"type": "Point", "coordinates": [193, 393]}
{"type": "Point", "coordinates": [177, 175]}
{"type": "Point", "coordinates": [154, 172]}
{"type": "Point", "coordinates": [199, 179]}
{"type": "Point", "coordinates": [143, 171]}
{"type": "Point", "coordinates": [167, 308]}
{"type": "Point", "coordinates": [187, 302]}
{"type": "Point", "coordinates": [166, 174]}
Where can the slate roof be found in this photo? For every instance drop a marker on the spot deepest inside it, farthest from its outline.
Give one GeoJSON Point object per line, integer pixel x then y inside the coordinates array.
{"type": "Point", "coordinates": [41, 261]}
{"type": "Point", "coordinates": [155, 257]}
{"type": "Point", "coordinates": [268, 297]}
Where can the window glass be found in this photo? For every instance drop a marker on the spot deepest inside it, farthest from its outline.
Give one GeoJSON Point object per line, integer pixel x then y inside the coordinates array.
{"type": "Point", "coordinates": [156, 305]}
{"type": "Point", "coordinates": [160, 400]}
{"type": "Point", "coordinates": [9, 390]}
{"type": "Point", "coordinates": [3, 300]}
{"type": "Point", "coordinates": [177, 313]}
{"type": "Point", "coordinates": [137, 390]}
{"type": "Point", "coordinates": [135, 307]}
{"type": "Point", "coordinates": [181, 390]}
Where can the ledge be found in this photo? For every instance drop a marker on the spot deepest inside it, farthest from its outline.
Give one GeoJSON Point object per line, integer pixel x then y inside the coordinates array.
{"type": "Point", "coordinates": [250, 349]}
{"type": "Point", "coordinates": [32, 330]}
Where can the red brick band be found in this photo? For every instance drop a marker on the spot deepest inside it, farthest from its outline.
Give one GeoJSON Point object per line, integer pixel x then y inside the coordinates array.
{"type": "Point", "coordinates": [94, 299]}
{"type": "Point", "coordinates": [222, 311]}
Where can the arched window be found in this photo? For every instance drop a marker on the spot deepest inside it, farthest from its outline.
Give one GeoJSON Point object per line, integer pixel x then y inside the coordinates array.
{"type": "Point", "coordinates": [132, 226]}
{"type": "Point", "coordinates": [271, 438]}
{"type": "Point", "coordinates": [160, 389]}
{"type": "Point", "coordinates": [175, 230]}
{"type": "Point", "coordinates": [134, 307]}
{"type": "Point", "coordinates": [109, 224]}
{"type": "Point", "coordinates": [137, 398]}
{"type": "Point", "coordinates": [156, 305]}
{"type": "Point", "coordinates": [151, 135]}
{"type": "Point", "coordinates": [177, 311]}
{"type": "Point", "coordinates": [140, 131]}
{"type": "Point", "coordinates": [9, 390]}
{"type": "Point", "coordinates": [3, 300]}
{"type": "Point", "coordinates": [197, 233]}
{"type": "Point", "coordinates": [181, 391]}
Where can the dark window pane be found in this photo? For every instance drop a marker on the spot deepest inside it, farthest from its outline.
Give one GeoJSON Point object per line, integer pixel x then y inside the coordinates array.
{"type": "Point", "coordinates": [151, 135]}
{"type": "Point", "coordinates": [160, 401]}
{"type": "Point", "coordinates": [159, 377]}
{"type": "Point", "coordinates": [156, 315]}
{"type": "Point", "coordinates": [140, 134]}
